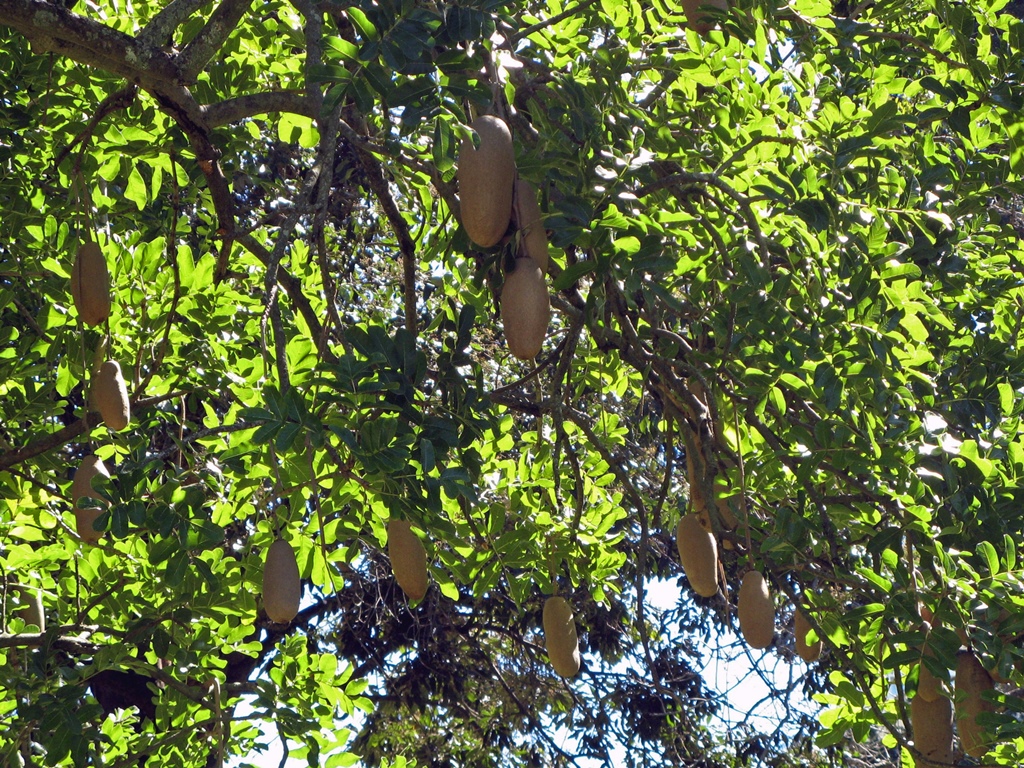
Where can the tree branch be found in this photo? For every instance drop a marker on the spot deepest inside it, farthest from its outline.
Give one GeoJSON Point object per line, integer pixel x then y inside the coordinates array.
{"type": "Point", "coordinates": [62, 436]}
{"type": "Point", "coordinates": [80, 39]}
{"type": "Point", "coordinates": [232, 110]}
{"type": "Point", "coordinates": [292, 286]}
{"type": "Point", "coordinates": [178, 102]}
{"type": "Point", "coordinates": [160, 28]}
{"type": "Point", "coordinates": [72, 645]}
{"type": "Point", "coordinates": [204, 46]}
{"type": "Point", "coordinates": [42, 445]}
{"type": "Point", "coordinates": [54, 28]}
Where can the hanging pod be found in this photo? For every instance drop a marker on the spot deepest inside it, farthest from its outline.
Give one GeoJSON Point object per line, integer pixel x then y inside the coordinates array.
{"type": "Point", "coordinates": [696, 19]}
{"type": "Point", "coordinates": [698, 553]}
{"type": "Point", "coordinates": [757, 614]}
{"type": "Point", "coordinates": [972, 683]}
{"type": "Point", "coordinates": [560, 636]}
{"type": "Point", "coordinates": [530, 224]}
{"type": "Point", "coordinates": [801, 626]}
{"type": "Point", "coordinates": [408, 559]}
{"type": "Point", "coordinates": [929, 687]}
{"type": "Point", "coordinates": [81, 487]}
{"type": "Point", "coordinates": [111, 396]}
{"type": "Point", "coordinates": [932, 722]}
{"type": "Point", "coordinates": [525, 309]}
{"type": "Point", "coordinates": [486, 179]}
{"type": "Point", "coordinates": [282, 587]}
{"type": "Point", "coordinates": [29, 606]}
{"type": "Point", "coordinates": [90, 284]}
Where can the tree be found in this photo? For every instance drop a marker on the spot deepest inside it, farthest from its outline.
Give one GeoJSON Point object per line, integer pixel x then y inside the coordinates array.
{"type": "Point", "coordinates": [786, 297]}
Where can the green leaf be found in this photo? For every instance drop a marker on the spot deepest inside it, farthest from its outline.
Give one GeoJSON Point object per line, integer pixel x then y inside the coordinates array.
{"type": "Point", "coordinates": [297, 129]}
{"type": "Point", "coordinates": [338, 47]}
{"type": "Point", "coordinates": [875, 578]}
{"type": "Point", "coordinates": [1005, 397]}
{"type": "Point", "coordinates": [1015, 135]}
{"type": "Point", "coordinates": [969, 451]}
{"type": "Point", "coordinates": [362, 23]}
{"type": "Point", "coordinates": [449, 590]}
{"type": "Point", "coordinates": [573, 273]}
{"type": "Point", "coordinates": [136, 190]}
{"type": "Point", "coordinates": [989, 555]}
{"type": "Point", "coordinates": [628, 245]}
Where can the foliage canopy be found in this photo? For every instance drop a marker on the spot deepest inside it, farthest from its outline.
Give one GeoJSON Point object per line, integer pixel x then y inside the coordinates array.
{"type": "Point", "coordinates": [786, 295]}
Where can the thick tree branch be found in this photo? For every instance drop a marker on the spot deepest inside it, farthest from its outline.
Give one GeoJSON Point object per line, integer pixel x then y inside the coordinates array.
{"type": "Point", "coordinates": [54, 28]}
{"type": "Point", "coordinates": [178, 102]}
{"type": "Point", "coordinates": [232, 110]}
{"type": "Point", "coordinates": [160, 28]}
{"type": "Point", "coordinates": [88, 42]}
{"type": "Point", "coordinates": [204, 46]}
{"type": "Point", "coordinates": [63, 435]}
{"type": "Point", "coordinates": [68, 644]}
{"type": "Point", "coordinates": [42, 445]}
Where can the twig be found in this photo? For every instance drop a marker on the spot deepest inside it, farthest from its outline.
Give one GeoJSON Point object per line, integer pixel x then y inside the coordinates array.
{"type": "Point", "coordinates": [202, 434]}
{"type": "Point", "coordinates": [121, 99]}
{"type": "Point", "coordinates": [788, 140]}
{"type": "Point", "coordinates": [614, 464]}
{"type": "Point", "coordinates": [172, 256]}
{"type": "Point", "coordinates": [377, 180]}
{"type": "Point", "coordinates": [169, 738]}
{"type": "Point", "coordinates": [903, 37]}
{"type": "Point", "coordinates": [499, 395]}
{"type": "Point", "coordinates": [712, 179]}
{"type": "Point", "coordinates": [28, 318]}
{"type": "Point", "coordinates": [548, 22]}
{"type": "Point", "coordinates": [292, 285]}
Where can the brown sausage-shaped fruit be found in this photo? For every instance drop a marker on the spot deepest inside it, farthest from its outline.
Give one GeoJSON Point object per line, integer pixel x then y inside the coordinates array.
{"type": "Point", "coordinates": [282, 587]}
{"type": "Point", "coordinates": [486, 179]}
{"type": "Point", "coordinates": [929, 687]}
{"type": "Point", "coordinates": [408, 559]}
{"type": "Point", "coordinates": [560, 636]}
{"type": "Point", "coordinates": [81, 487]}
{"type": "Point", "coordinates": [932, 722]}
{"type": "Point", "coordinates": [30, 607]}
{"type": "Point", "coordinates": [90, 284]}
{"type": "Point", "coordinates": [525, 309]}
{"type": "Point", "coordinates": [757, 614]}
{"type": "Point", "coordinates": [698, 552]}
{"type": "Point", "coordinates": [809, 653]}
{"type": "Point", "coordinates": [972, 682]}
{"type": "Point", "coordinates": [111, 396]}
